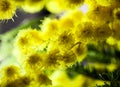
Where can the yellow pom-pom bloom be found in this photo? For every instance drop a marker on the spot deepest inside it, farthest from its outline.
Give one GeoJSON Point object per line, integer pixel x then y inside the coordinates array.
{"type": "Point", "coordinates": [102, 32]}
{"type": "Point", "coordinates": [69, 19]}
{"type": "Point", "coordinates": [7, 9]}
{"type": "Point", "coordinates": [33, 62]}
{"type": "Point", "coordinates": [23, 81]}
{"type": "Point", "coordinates": [10, 73]}
{"type": "Point", "coordinates": [49, 28]}
{"type": "Point", "coordinates": [67, 59]}
{"type": "Point", "coordinates": [28, 40]}
{"type": "Point", "coordinates": [33, 6]}
{"type": "Point", "coordinates": [100, 14]}
{"type": "Point", "coordinates": [84, 32]}
{"type": "Point", "coordinates": [59, 6]}
{"type": "Point", "coordinates": [76, 15]}
{"type": "Point", "coordinates": [55, 6]}
{"type": "Point", "coordinates": [65, 40]}
{"type": "Point", "coordinates": [66, 24]}
{"type": "Point", "coordinates": [50, 59]}
{"type": "Point", "coordinates": [42, 80]}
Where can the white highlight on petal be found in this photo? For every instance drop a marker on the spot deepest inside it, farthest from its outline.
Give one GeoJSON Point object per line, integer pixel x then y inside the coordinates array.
{"type": "Point", "coordinates": [84, 8]}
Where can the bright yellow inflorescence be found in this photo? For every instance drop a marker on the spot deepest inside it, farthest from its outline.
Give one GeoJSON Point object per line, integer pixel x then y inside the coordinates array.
{"type": "Point", "coordinates": [60, 42]}
{"type": "Point", "coordinates": [7, 9]}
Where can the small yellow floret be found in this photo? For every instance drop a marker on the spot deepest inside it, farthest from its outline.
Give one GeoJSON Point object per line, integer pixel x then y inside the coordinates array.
{"type": "Point", "coordinates": [67, 59]}
{"type": "Point", "coordinates": [10, 73]}
{"type": "Point", "coordinates": [55, 6]}
{"type": "Point", "coordinates": [50, 59]}
{"type": "Point", "coordinates": [33, 6]}
{"type": "Point", "coordinates": [43, 80]}
{"type": "Point", "coordinates": [49, 28]}
{"type": "Point", "coordinates": [65, 40]}
{"type": "Point", "coordinates": [33, 62]}
{"type": "Point", "coordinates": [28, 40]}
{"type": "Point", "coordinates": [84, 32]}
{"type": "Point", "coordinates": [66, 24]}
{"type": "Point", "coordinates": [7, 9]}
{"type": "Point", "coordinates": [102, 32]}
{"type": "Point", "coordinates": [100, 14]}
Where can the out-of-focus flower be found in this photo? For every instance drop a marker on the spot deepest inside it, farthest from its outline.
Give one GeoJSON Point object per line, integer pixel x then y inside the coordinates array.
{"type": "Point", "coordinates": [7, 9]}
{"type": "Point", "coordinates": [33, 6]}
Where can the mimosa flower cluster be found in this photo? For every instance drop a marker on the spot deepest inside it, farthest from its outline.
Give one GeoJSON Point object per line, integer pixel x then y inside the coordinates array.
{"type": "Point", "coordinates": [43, 55]}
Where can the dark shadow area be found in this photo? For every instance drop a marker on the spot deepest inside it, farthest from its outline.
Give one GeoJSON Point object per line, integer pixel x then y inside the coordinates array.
{"type": "Point", "coordinates": [20, 16]}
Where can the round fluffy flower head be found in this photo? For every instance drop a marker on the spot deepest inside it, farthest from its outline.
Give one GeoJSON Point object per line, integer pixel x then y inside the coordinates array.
{"type": "Point", "coordinates": [55, 6]}
{"type": "Point", "coordinates": [28, 39]}
{"type": "Point", "coordinates": [33, 62]}
{"type": "Point", "coordinates": [66, 23]}
{"type": "Point", "coordinates": [100, 14]}
{"type": "Point", "coordinates": [102, 32]}
{"type": "Point", "coordinates": [51, 59]}
{"type": "Point", "coordinates": [84, 32]}
{"type": "Point", "coordinates": [43, 79]}
{"type": "Point", "coordinates": [65, 40]}
{"type": "Point", "coordinates": [76, 15]}
{"type": "Point", "coordinates": [23, 81]}
{"type": "Point", "coordinates": [33, 6]}
{"type": "Point", "coordinates": [7, 9]}
{"type": "Point", "coordinates": [10, 73]}
{"type": "Point", "coordinates": [67, 59]}
{"type": "Point", "coordinates": [49, 28]}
